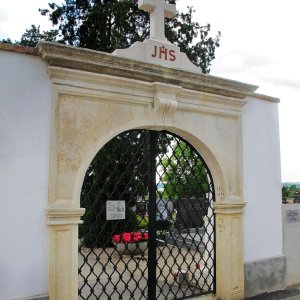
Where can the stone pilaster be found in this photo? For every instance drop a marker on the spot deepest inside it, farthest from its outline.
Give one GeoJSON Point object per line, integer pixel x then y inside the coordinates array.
{"type": "Point", "coordinates": [229, 250]}
{"type": "Point", "coordinates": [63, 252]}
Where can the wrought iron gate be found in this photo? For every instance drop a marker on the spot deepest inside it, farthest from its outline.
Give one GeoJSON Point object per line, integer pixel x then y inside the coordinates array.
{"type": "Point", "coordinates": [148, 230]}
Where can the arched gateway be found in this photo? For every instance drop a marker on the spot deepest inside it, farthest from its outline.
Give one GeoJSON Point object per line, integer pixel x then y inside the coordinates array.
{"type": "Point", "coordinates": [148, 230]}
{"type": "Point", "coordinates": [96, 98]}
{"type": "Point", "coordinates": [93, 103]}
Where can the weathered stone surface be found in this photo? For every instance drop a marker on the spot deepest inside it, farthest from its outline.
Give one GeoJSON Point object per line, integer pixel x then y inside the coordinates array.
{"type": "Point", "coordinates": [104, 63]}
{"type": "Point", "coordinates": [19, 49]}
{"type": "Point", "coordinates": [265, 275]}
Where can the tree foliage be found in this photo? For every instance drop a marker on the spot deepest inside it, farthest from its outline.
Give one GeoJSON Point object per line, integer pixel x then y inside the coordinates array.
{"type": "Point", "coordinates": [106, 25]}
{"type": "Point", "coordinates": [118, 172]}
{"type": "Point", "coordinates": [184, 174]}
{"type": "Point", "coordinates": [7, 41]}
{"type": "Point", "coordinates": [33, 35]}
{"type": "Point", "coordinates": [289, 190]}
{"type": "Point", "coordinates": [285, 191]}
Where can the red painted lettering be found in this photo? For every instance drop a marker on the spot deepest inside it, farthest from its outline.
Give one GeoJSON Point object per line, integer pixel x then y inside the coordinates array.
{"type": "Point", "coordinates": [163, 51]}
{"type": "Point", "coordinates": [172, 55]}
{"type": "Point", "coordinates": [155, 52]}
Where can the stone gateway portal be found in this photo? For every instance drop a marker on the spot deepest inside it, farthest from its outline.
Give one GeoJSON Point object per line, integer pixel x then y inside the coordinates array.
{"type": "Point", "coordinates": [115, 139]}
{"type": "Point", "coordinates": [148, 231]}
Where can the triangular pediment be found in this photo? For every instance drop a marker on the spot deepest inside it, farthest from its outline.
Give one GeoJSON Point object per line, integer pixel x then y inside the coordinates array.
{"type": "Point", "coordinates": [159, 53]}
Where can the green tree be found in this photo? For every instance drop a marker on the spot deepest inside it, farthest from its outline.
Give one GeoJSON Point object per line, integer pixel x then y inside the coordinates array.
{"type": "Point", "coordinates": [7, 41]}
{"type": "Point", "coordinates": [106, 25]}
{"type": "Point", "coordinates": [33, 35]}
{"type": "Point", "coordinates": [184, 174]}
{"type": "Point", "coordinates": [118, 172]}
{"type": "Point", "coordinates": [285, 191]}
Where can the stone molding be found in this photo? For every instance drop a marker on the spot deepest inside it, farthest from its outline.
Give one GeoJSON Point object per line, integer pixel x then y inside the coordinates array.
{"type": "Point", "coordinates": [101, 87]}
{"type": "Point", "coordinates": [64, 216]}
{"type": "Point", "coordinates": [229, 208]}
{"type": "Point", "coordinates": [99, 62]}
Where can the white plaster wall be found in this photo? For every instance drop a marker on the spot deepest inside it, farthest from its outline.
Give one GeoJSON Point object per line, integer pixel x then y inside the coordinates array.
{"type": "Point", "coordinates": [25, 105]}
{"type": "Point", "coordinates": [261, 180]}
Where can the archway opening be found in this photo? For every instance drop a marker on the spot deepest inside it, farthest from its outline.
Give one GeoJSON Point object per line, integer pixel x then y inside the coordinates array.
{"type": "Point", "coordinates": [148, 230]}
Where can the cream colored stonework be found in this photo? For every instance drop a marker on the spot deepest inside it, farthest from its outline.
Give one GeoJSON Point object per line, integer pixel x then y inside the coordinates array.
{"type": "Point", "coordinates": [96, 96]}
{"type": "Point", "coordinates": [144, 52]}
{"type": "Point", "coordinates": [230, 259]}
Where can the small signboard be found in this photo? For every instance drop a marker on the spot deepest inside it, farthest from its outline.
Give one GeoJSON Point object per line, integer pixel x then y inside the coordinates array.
{"type": "Point", "coordinates": [292, 216]}
{"type": "Point", "coordinates": [115, 210]}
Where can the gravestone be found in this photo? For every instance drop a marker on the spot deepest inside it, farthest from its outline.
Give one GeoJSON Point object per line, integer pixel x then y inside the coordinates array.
{"type": "Point", "coordinates": [190, 212]}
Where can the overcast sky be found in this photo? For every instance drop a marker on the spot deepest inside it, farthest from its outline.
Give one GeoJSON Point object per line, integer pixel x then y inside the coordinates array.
{"type": "Point", "coordinates": [259, 45]}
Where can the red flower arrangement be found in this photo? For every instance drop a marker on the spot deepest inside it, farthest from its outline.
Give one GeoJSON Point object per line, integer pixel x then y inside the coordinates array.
{"type": "Point", "coordinates": [130, 237]}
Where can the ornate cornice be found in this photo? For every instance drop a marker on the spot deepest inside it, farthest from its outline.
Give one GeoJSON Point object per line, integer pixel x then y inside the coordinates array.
{"type": "Point", "coordinates": [59, 55]}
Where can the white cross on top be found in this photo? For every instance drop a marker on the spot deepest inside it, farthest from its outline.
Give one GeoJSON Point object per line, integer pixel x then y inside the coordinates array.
{"type": "Point", "coordinates": [159, 10]}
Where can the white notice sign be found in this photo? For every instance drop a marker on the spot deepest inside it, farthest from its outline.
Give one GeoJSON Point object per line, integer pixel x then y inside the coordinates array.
{"type": "Point", "coordinates": [115, 210]}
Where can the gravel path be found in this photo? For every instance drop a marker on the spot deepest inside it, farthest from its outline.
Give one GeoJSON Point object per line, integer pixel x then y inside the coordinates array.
{"type": "Point", "coordinates": [125, 277]}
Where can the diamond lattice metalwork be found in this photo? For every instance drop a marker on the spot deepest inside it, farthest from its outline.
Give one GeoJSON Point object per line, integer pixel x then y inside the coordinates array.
{"type": "Point", "coordinates": [168, 193]}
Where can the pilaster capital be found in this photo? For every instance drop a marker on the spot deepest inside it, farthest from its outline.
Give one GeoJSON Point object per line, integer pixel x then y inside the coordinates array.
{"type": "Point", "coordinates": [228, 208]}
{"type": "Point", "coordinates": [64, 215]}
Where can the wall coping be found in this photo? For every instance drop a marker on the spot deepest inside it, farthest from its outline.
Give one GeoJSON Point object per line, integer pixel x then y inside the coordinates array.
{"type": "Point", "coordinates": [266, 98]}
{"type": "Point", "coordinates": [19, 49]}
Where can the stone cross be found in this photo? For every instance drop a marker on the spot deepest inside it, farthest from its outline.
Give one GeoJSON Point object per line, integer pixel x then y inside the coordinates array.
{"type": "Point", "coordinates": [159, 10]}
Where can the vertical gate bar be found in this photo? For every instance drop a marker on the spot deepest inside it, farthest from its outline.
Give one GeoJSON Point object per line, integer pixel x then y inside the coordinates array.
{"type": "Point", "coordinates": [152, 218]}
